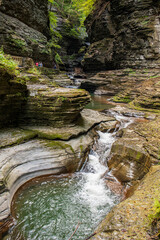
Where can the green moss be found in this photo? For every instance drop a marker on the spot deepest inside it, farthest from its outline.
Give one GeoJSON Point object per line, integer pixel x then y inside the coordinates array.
{"type": "Point", "coordinates": [18, 42]}
{"type": "Point", "coordinates": [137, 106]}
{"type": "Point", "coordinates": [8, 64]}
{"type": "Point", "coordinates": [156, 76]}
{"type": "Point", "coordinates": [16, 137]}
{"type": "Point", "coordinates": [34, 71]}
{"type": "Point", "coordinates": [125, 99]}
{"type": "Point", "coordinates": [58, 144]}
{"type": "Point", "coordinates": [52, 136]}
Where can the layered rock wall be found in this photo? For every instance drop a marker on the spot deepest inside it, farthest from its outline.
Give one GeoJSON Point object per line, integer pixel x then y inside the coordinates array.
{"type": "Point", "coordinates": [123, 34]}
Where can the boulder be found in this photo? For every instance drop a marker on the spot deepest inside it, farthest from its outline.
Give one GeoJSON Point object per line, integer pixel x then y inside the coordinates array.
{"type": "Point", "coordinates": [129, 159]}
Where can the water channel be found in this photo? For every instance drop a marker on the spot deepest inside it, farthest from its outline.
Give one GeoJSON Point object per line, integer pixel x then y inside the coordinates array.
{"type": "Point", "coordinates": [52, 210]}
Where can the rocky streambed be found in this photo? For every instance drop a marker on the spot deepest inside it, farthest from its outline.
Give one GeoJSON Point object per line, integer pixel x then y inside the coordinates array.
{"type": "Point", "coordinates": [128, 161]}
{"type": "Point", "coordinates": [57, 140]}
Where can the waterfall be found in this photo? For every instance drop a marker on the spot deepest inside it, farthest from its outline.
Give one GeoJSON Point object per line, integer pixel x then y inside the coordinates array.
{"type": "Point", "coordinates": [95, 191]}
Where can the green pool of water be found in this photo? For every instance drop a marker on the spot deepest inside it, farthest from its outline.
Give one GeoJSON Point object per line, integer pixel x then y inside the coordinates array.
{"type": "Point", "coordinates": [99, 103]}
{"type": "Point", "coordinates": [52, 209]}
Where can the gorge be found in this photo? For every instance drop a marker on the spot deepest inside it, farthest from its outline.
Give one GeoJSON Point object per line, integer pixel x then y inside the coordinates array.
{"type": "Point", "coordinates": [49, 140]}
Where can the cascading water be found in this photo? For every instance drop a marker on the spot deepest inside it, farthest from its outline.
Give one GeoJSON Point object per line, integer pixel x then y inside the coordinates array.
{"type": "Point", "coordinates": [52, 209]}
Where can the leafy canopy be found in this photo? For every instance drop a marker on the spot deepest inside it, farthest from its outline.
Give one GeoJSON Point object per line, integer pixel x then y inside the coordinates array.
{"type": "Point", "coordinates": [74, 12]}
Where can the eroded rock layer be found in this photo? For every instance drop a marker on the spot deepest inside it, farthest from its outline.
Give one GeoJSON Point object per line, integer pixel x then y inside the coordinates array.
{"type": "Point", "coordinates": [50, 105]}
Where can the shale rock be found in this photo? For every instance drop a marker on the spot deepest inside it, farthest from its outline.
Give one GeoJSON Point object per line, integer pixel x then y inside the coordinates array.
{"type": "Point", "coordinates": [86, 120]}
{"type": "Point", "coordinates": [120, 82]}
{"type": "Point", "coordinates": [50, 105]}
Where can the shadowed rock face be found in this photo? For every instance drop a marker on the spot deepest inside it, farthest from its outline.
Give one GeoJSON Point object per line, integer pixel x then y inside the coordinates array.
{"type": "Point", "coordinates": [12, 98]}
{"type": "Point", "coordinates": [32, 13]}
{"type": "Point", "coordinates": [130, 31]}
{"type": "Point", "coordinates": [24, 29]}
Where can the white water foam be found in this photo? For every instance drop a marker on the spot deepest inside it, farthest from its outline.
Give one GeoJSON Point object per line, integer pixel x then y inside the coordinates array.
{"type": "Point", "coordinates": [94, 190]}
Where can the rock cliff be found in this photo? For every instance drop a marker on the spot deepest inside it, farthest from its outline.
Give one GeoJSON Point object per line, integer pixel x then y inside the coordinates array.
{"type": "Point", "coordinates": [123, 34]}
{"type": "Point", "coordinates": [24, 29]}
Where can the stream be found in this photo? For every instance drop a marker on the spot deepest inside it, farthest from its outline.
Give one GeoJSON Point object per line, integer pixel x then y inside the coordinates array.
{"type": "Point", "coordinates": [51, 210]}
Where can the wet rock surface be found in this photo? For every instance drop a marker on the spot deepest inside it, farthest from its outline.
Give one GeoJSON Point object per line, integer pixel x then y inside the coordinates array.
{"type": "Point", "coordinates": [129, 159]}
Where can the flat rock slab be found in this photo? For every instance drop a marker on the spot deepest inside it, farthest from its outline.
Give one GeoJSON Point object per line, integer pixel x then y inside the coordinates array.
{"type": "Point", "coordinates": [89, 118]}
{"type": "Point", "coordinates": [11, 136]}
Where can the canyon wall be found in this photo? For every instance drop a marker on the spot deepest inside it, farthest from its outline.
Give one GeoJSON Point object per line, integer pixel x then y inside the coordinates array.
{"type": "Point", "coordinates": [123, 34]}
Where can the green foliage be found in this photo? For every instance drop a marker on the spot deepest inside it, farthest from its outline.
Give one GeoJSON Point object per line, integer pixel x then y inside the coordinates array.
{"type": "Point", "coordinates": [34, 71]}
{"type": "Point", "coordinates": [58, 59]}
{"type": "Point", "coordinates": [156, 209]}
{"type": "Point", "coordinates": [74, 12]}
{"type": "Point", "coordinates": [7, 63]}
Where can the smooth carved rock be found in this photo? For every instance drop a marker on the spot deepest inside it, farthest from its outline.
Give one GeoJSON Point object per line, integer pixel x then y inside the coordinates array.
{"type": "Point", "coordinates": [129, 219]}
{"type": "Point", "coordinates": [37, 158]}
{"type": "Point", "coordinates": [22, 159]}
